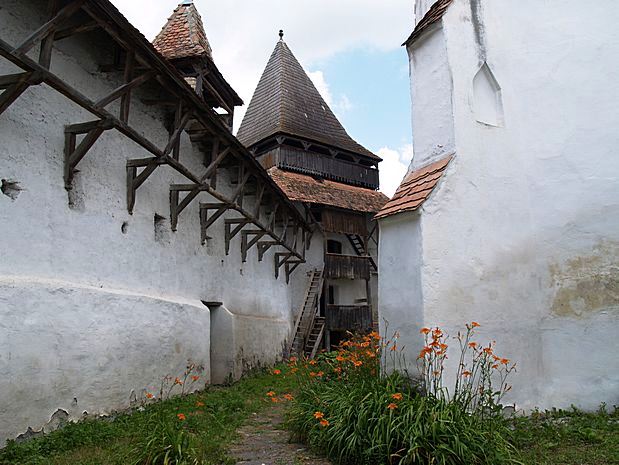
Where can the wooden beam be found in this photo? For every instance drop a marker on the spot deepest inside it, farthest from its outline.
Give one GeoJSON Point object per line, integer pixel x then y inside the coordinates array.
{"type": "Point", "coordinates": [12, 93]}
{"type": "Point", "coordinates": [259, 196]}
{"type": "Point", "coordinates": [45, 54]}
{"type": "Point", "coordinates": [263, 247]}
{"type": "Point", "coordinates": [75, 156]}
{"type": "Point", "coordinates": [49, 26]}
{"type": "Point", "coordinates": [77, 29]}
{"type": "Point", "coordinates": [206, 221]}
{"type": "Point", "coordinates": [280, 259]}
{"type": "Point", "coordinates": [231, 231]}
{"type": "Point", "coordinates": [125, 100]}
{"type": "Point", "coordinates": [247, 244]}
{"type": "Point", "coordinates": [124, 89]}
{"type": "Point", "coordinates": [290, 267]}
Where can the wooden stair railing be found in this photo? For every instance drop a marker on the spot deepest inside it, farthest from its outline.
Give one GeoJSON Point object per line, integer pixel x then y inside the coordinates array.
{"type": "Point", "coordinates": [308, 313]}
{"type": "Point", "coordinates": [359, 247]}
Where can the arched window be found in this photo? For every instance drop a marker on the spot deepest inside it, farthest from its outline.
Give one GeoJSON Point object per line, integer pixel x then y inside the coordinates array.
{"type": "Point", "coordinates": [488, 104]}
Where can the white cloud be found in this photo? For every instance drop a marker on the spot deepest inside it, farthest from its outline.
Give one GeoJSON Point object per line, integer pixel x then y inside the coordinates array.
{"type": "Point", "coordinates": [393, 167]}
{"type": "Point", "coordinates": [340, 104]}
{"type": "Point", "coordinates": [318, 78]}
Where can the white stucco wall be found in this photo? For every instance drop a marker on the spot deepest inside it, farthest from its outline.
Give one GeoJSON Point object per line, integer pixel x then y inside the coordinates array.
{"type": "Point", "coordinates": [522, 234]}
{"type": "Point", "coordinates": [432, 113]}
{"type": "Point", "coordinates": [92, 306]}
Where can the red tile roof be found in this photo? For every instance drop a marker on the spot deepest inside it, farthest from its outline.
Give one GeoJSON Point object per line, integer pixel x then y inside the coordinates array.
{"type": "Point", "coordinates": [303, 188]}
{"type": "Point", "coordinates": [415, 189]}
{"type": "Point", "coordinates": [183, 35]}
{"type": "Point", "coordinates": [434, 14]}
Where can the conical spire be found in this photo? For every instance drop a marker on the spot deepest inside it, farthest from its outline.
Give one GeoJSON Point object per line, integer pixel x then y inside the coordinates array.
{"type": "Point", "coordinates": [183, 35]}
{"type": "Point", "coordinates": [286, 101]}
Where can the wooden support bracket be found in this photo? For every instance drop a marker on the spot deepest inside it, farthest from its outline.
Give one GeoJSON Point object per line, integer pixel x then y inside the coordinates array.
{"type": "Point", "coordinates": [207, 221]}
{"type": "Point", "coordinates": [73, 152]}
{"type": "Point", "coordinates": [290, 266]}
{"type": "Point", "coordinates": [247, 244]}
{"type": "Point", "coordinates": [280, 259]}
{"type": "Point", "coordinates": [263, 246]}
{"type": "Point", "coordinates": [233, 227]}
{"type": "Point", "coordinates": [14, 85]}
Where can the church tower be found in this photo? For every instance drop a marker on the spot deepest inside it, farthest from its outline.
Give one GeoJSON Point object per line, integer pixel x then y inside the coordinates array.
{"type": "Point", "coordinates": [293, 133]}
{"type": "Point", "coordinates": [184, 43]}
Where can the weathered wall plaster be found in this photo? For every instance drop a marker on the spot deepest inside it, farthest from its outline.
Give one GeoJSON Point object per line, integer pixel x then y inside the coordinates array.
{"type": "Point", "coordinates": [521, 234]}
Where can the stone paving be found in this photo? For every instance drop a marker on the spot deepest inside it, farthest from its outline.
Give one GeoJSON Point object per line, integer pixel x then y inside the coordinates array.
{"type": "Point", "coordinates": [263, 441]}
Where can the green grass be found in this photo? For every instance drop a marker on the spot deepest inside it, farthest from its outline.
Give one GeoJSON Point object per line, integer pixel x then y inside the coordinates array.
{"type": "Point", "coordinates": [99, 442]}
{"type": "Point", "coordinates": [550, 438]}
{"type": "Point", "coordinates": [569, 438]}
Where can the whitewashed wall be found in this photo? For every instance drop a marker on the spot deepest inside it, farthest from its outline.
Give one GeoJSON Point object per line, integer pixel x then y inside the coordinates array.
{"type": "Point", "coordinates": [522, 234]}
{"type": "Point", "coordinates": [94, 307]}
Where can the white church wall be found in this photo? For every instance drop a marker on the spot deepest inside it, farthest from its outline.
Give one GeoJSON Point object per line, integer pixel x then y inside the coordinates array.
{"type": "Point", "coordinates": [522, 233]}
{"type": "Point", "coordinates": [400, 293]}
{"type": "Point", "coordinates": [104, 274]}
{"type": "Point", "coordinates": [432, 113]}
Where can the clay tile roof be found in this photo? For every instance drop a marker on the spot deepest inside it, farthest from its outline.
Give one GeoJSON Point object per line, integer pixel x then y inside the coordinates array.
{"type": "Point", "coordinates": [286, 101]}
{"type": "Point", "coordinates": [415, 189]}
{"type": "Point", "coordinates": [303, 188]}
{"type": "Point", "coordinates": [434, 14]}
{"type": "Point", "coordinates": [183, 35]}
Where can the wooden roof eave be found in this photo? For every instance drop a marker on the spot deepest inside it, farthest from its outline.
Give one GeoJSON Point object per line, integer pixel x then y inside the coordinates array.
{"type": "Point", "coordinates": [374, 159]}
{"type": "Point", "coordinates": [115, 24]}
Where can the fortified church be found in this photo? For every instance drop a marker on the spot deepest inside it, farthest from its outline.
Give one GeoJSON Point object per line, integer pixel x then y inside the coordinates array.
{"type": "Point", "coordinates": [139, 234]}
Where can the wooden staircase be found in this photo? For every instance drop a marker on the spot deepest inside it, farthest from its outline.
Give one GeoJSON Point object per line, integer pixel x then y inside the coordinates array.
{"type": "Point", "coordinates": [309, 327]}
{"type": "Point", "coordinates": [315, 337]}
{"type": "Point", "coordinates": [359, 248]}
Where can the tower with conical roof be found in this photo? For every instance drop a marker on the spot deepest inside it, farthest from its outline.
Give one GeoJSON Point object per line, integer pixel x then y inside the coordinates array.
{"type": "Point", "coordinates": [294, 134]}
{"type": "Point", "coordinates": [184, 43]}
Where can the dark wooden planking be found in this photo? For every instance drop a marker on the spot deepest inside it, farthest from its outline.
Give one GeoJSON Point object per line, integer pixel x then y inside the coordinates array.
{"type": "Point", "coordinates": [354, 318]}
{"type": "Point", "coordinates": [342, 222]}
{"type": "Point", "coordinates": [346, 267]}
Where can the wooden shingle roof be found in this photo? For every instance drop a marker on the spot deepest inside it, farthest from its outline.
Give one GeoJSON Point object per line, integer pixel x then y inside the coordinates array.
{"type": "Point", "coordinates": [303, 188]}
{"type": "Point", "coordinates": [415, 189]}
{"type": "Point", "coordinates": [183, 35]}
{"type": "Point", "coordinates": [287, 102]}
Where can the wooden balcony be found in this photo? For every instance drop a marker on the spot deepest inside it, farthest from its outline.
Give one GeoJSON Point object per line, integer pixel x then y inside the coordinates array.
{"type": "Point", "coordinates": [347, 266]}
{"type": "Point", "coordinates": [354, 318]}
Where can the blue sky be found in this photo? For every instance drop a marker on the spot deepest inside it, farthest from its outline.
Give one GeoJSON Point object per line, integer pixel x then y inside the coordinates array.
{"type": "Point", "coordinates": [370, 93]}
{"type": "Point", "coordinates": [350, 48]}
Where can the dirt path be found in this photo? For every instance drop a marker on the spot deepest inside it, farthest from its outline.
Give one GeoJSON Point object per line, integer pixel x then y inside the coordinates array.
{"type": "Point", "coordinates": [263, 441]}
